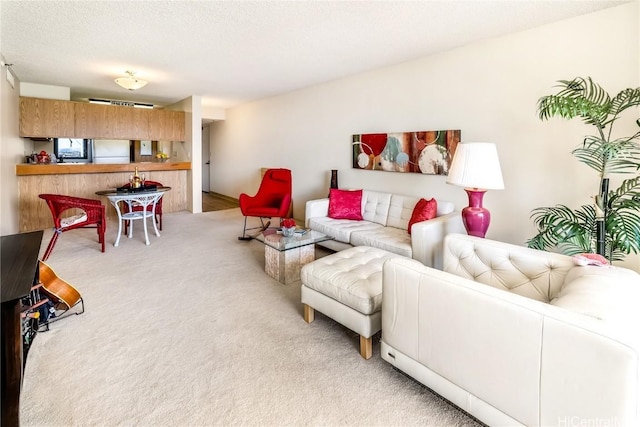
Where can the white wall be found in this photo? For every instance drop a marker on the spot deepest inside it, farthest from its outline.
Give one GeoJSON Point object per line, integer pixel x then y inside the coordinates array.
{"type": "Point", "coordinates": [489, 90]}
{"type": "Point", "coordinates": [37, 90]}
{"type": "Point", "coordinates": [12, 151]}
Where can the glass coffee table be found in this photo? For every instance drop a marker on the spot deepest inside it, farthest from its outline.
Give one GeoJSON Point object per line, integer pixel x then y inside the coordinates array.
{"type": "Point", "coordinates": [285, 256]}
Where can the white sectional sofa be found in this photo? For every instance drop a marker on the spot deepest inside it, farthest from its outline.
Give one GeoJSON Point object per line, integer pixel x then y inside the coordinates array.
{"type": "Point", "coordinates": [516, 336]}
{"type": "Point", "coordinates": [384, 226]}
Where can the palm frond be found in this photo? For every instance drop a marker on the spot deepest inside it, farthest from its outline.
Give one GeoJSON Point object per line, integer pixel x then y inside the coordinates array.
{"type": "Point", "coordinates": [559, 224]}
{"type": "Point", "coordinates": [623, 228]}
{"type": "Point", "coordinates": [579, 98]}
{"type": "Point", "coordinates": [618, 156]}
{"type": "Point", "coordinates": [576, 247]}
{"type": "Point", "coordinates": [628, 190]}
{"type": "Point", "coordinates": [626, 98]}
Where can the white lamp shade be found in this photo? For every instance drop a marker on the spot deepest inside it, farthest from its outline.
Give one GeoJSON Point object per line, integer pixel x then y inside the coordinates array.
{"type": "Point", "coordinates": [476, 165]}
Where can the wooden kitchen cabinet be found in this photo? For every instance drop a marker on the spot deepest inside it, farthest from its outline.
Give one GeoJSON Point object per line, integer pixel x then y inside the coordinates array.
{"type": "Point", "coordinates": [57, 118]}
{"type": "Point", "coordinates": [111, 122]}
{"type": "Point", "coordinates": [167, 125]}
{"type": "Point", "coordinates": [44, 118]}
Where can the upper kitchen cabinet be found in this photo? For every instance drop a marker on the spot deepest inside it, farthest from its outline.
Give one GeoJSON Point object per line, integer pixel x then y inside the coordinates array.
{"type": "Point", "coordinates": [111, 122]}
{"type": "Point", "coordinates": [44, 118]}
{"type": "Point", "coordinates": [167, 125]}
{"type": "Point", "coordinates": [57, 118]}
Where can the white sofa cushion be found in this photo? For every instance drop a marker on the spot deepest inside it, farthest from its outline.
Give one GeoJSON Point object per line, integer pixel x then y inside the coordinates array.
{"type": "Point", "coordinates": [606, 293]}
{"type": "Point", "coordinates": [388, 238]}
{"type": "Point", "coordinates": [340, 229]}
{"type": "Point", "coordinates": [375, 206]}
{"type": "Point", "coordinates": [400, 211]}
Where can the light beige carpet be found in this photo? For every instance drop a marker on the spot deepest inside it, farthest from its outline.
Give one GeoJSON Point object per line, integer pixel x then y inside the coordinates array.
{"type": "Point", "coordinates": [190, 331]}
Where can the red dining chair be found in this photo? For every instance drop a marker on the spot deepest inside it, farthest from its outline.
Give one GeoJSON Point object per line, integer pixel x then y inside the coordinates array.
{"type": "Point", "coordinates": [272, 199]}
{"type": "Point", "coordinates": [93, 216]}
{"type": "Point", "coordinates": [158, 211]}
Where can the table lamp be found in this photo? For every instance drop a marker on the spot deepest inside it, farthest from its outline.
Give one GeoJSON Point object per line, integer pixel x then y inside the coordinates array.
{"type": "Point", "coordinates": [476, 167]}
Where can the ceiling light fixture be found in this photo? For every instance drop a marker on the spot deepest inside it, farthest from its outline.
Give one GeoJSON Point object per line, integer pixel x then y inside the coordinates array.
{"type": "Point", "coordinates": [130, 82]}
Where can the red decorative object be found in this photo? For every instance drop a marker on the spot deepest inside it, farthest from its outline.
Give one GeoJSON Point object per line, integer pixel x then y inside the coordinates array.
{"type": "Point", "coordinates": [345, 204]}
{"type": "Point", "coordinates": [590, 259]}
{"type": "Point", "coordinates": [475, 217]}
{"type": "Point", "coordinates": [288, 223]}
{"type": "Point", "coordinates": [43, 157]}
{"type": "Point", "coordinates": [272, 199]}
{"type": "Point", "coordinates": [423, 211]}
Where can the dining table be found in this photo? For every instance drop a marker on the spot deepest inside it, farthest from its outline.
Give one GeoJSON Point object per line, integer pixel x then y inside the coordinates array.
{"type": "Point", "coordinates": [143, 198]}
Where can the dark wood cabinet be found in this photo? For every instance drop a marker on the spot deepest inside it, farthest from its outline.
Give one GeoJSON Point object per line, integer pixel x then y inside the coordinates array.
{"type": "Point", "coordinates": [19, 264]}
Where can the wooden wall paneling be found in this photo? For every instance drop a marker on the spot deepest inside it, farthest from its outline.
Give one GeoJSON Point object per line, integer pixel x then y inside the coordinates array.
{"type": "Point", "coordinates": [176, 199]}
{"type": "Point", "coordinates": [35, 215]}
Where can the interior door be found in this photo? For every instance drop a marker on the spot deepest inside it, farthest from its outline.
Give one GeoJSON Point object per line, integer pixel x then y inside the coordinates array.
{"type": "Point", "coordinates": [206, 161]}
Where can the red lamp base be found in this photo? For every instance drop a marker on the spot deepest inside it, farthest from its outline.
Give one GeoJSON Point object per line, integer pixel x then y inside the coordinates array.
{"type": "Point", "coordinates": [476, 218]}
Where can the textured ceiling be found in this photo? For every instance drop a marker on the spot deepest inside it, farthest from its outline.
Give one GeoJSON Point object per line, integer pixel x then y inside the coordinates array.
{"type": "Point", "coordinates": [231, 52]}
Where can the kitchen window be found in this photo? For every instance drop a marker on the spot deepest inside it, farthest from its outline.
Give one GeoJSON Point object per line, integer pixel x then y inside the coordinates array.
{"type": "Point", "coordinates": [76, 149]}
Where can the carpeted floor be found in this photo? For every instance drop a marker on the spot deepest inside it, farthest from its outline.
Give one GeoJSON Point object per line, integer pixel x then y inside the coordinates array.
{"type": "Point", "coordinates": [190, 331]}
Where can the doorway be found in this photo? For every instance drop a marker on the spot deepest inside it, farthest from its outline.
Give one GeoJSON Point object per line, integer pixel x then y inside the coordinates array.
{"type": "Point", "coordinates": [206, 159]}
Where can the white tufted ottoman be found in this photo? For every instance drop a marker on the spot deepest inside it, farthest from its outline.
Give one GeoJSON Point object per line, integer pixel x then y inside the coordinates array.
{"type": "Point", "coordinates": [347, 287]}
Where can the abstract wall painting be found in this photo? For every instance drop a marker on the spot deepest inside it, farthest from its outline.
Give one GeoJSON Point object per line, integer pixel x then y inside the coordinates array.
{"type": "Point", "coordinates": [427, 152]}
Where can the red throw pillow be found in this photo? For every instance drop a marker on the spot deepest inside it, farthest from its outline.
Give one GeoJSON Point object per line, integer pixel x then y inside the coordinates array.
{"type": "Point", "coordinates": [345, 204]}
{"type": "Point", "coordinates": [424, 210]}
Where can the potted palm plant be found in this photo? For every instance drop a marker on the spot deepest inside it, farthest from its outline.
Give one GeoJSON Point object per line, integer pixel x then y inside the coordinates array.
{"type": "Point", "coordinates": [610, 224]}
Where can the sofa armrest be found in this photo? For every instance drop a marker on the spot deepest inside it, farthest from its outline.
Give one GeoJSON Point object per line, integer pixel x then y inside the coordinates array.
{"type": "Point", "coordinates": [315, 208]}
{"type": "Point", "coordinates": [427, 238]}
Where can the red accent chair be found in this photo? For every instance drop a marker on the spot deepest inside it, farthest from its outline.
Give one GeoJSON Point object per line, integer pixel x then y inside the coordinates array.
{"type": "Point", "coordinates": [158, 213]}
{"type": "Point", "coordinates": [273, 199]}
{"type": "Point", "coordinates": [94, 216]}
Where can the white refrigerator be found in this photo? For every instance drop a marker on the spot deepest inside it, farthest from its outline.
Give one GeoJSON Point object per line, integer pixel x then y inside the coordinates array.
{"type": "Point", "coordinates": [111, 151]}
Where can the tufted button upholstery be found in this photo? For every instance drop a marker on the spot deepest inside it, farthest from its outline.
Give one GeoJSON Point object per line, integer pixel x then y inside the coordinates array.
{"type": "Point", "coordinates": [352, 277]}
{"type": "Point", "coordinates": [512, 358]}
{"type": "Point", "coordinates": [519, 270]}
{"type": "Point", "coordinates": [347, 287]}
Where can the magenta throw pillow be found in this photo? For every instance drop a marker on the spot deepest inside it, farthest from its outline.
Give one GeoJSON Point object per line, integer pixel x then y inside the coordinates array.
{"type": "Point", "coordinates": [345, 204]}
{"type": "Point", "coordinates": [424, 210]}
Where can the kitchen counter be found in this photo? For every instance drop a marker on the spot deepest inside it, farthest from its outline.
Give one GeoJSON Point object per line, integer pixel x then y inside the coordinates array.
{"type": "Point", "coordinates": [84, 168]}
{"type": "Point", "coordinates": [84, 179]}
